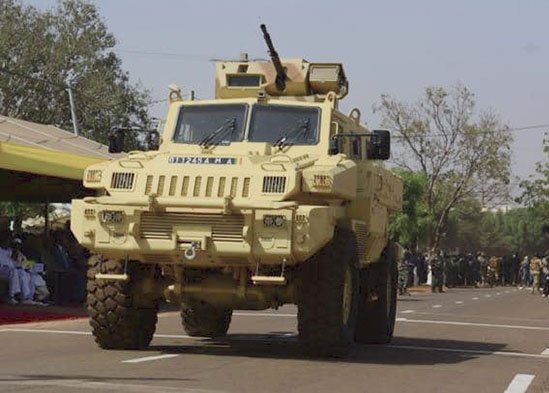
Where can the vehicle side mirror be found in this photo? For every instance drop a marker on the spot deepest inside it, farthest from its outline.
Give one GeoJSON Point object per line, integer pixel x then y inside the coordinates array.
{"type": "Point", "coordinates": [379, 147]}
{"type": "Point", "coordinates": [334, 146]}
{"type": "Point", "coordinates": [116, 141]}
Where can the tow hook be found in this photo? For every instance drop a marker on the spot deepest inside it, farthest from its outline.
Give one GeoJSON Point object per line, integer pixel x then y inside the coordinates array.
{"type": "Point", "coordinates": [190, 253]}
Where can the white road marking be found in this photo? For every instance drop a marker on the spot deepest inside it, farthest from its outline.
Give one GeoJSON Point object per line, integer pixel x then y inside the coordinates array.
{"type": "Point", "coordinates": [520, 383]}
{"type": "Point", "coordinates": [73, 332]}
{"type": "Point", "coordinates": [499, 293]}
{"type": "Point", "coordinates": [459, 302]}
{"type": "Point", "coordinates": [103, 386]}
{"type": "Point", "coordinates": [437, 306]}
{"type": "Point", "coordinates": [487, 295]}
{"type": "Point", "coordinates": [456, 323]}
{"type": "Point", "coordinates": [471, 351]}
{"type": "Point", "coordinates": [149, 358]}
{"type": "Point", "coordinates": [545, 352]}
{"type": "Point", "coordinates": [407, 311]}
{"type": "Point", "coordinates": [507, 291]}
{"type": "Point", "coordinates": [474, 298]}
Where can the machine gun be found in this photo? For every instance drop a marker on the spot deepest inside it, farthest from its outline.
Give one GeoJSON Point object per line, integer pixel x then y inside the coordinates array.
{"type": "Point", "coordinates": [281, 76]}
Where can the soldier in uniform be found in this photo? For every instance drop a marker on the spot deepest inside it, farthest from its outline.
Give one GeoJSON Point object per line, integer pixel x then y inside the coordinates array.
{"type": "Point", "coordinates": [535, 270]}
{"type": "Point", "coordinates": [437, 272]}
{"type": "Point", "coordinates": [492, 271]}
{"type": "Point", "coordinates": [404, 273]}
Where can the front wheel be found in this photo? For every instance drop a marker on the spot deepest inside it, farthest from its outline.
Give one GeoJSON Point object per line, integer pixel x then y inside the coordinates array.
{"type": "Point", "coordinates": [328, 298]}
{"type": "Point", "coordinates": [121, 315]}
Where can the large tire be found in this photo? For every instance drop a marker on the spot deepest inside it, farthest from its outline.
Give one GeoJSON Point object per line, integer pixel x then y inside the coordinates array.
{"type": "Point", "coordinates": [328, 298]}
{"type": "Point", "coordinates": [120, 317]}
{"type": "Point", "coordinates": [376, 318]}
{"type": "Point", "coordinates": [204, 320]}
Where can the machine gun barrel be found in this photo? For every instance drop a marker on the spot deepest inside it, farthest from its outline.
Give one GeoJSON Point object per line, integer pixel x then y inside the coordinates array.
{"type": "Point", "coordinates": [281, 76]}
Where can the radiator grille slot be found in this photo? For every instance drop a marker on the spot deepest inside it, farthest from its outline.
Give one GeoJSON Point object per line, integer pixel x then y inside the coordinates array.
{"type": "Point", "coordinates": [122, 180]}
{"type": "Point", "coordinates": [227, 228]}
{"type": "Point", "coordinates": [197, 183]}
{"type": "Point", "coordinates": [246, 188]}
{"type": "Point", "coordinates": [274, 184]}
{"type": "Point", "coordinates": [221, 188]}
{"type": "Point", "coordinates": [173, 185]}
{"type": "Point", "coordinates": [185, 186]}
{"type": "Point", "coordinates": [160, 189]}
{"type": "Point", "coordinates": [209, 186]}
{"type": "Point", "coordinates": [234, 186]}
{"type": "Point", "coordinates": [148, 185]}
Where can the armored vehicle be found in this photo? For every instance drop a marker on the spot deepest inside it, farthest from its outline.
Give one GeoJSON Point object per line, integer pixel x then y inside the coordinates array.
{"type": "Point", "coordinates": [264, 196]}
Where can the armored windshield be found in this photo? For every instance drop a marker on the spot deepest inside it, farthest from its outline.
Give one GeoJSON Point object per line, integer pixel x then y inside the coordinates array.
{"type": "Point", "coordinates": [211, 124]}
{"type": "Point", "coordinates": [284, 125]}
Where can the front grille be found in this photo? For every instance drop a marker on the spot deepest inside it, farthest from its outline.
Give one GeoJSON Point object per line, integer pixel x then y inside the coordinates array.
{"type": "Point", "coordinates": [122, 180]}
{"type": "Point", "coordinates": [227, 228]}
{"type": "Point", "coordinates": [274, 184]}
{"type": "Point", "coordinates": [208, 187]}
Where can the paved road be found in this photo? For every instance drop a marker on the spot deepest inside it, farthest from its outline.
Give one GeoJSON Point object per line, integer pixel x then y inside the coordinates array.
{"type": "Point", "coordinates": [466, 340]}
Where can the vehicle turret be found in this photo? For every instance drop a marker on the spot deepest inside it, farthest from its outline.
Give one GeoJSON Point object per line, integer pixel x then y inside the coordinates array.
{"type": "Point", "coordinates": [286, 78]}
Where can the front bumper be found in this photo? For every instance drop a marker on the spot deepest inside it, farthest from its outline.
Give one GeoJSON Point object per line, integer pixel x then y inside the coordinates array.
{"type": "Point", "coordinates": [166, 231]}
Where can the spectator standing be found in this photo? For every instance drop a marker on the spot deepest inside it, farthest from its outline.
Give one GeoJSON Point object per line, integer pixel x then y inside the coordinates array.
{"type": "Point", "coordinates": [535, 270]}
{"type": "Point", "coordinates": [545, 276]}
{"type": "Point", "coordinates": [525, 272]}
{"type": "Point", "coordinates": [514, 268]}
{"type": "Point", "coordinates": [437, 272]}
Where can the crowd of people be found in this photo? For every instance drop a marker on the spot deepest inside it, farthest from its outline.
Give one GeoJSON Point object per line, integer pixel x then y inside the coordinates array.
{"type": "Point", "coordinates": [478, 270]}
{"type": "Point", "coordinates": [25, 282]}
{"type": "Point", "coordinates": [42, 269]}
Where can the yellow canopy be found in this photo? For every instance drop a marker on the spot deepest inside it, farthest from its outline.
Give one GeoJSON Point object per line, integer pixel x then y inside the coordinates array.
{"type": "Point", "coordinates": [44, 162]}
{"type": "Point", "coordinates": [34, 174]}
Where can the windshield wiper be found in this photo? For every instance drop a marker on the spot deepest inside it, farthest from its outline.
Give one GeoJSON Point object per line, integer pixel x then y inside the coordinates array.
{"type": "Point", "coordinates": [302, 125]}
{"type": "Point", "coordinates": [228, 125]}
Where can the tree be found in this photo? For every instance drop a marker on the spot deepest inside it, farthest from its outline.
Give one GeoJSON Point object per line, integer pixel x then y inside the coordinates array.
{"type": "Point", "coordinates": [41, 53]}
{"type": "Point", "coordinates": [411, 226]}
{"type": "Point", "coordinates": [536, 189]}
{"type": "Point", "coordinates": [462, 154]}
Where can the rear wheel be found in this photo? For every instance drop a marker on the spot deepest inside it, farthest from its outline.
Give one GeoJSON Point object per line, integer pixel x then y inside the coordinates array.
{"type": "Point", "coordinates": [328, 299]}
{"type": "Point", "coordinates": [121, 315]}
{"type": "Point", "coordinates": [378, 296]}
{"type": "Point", "coordinates": [204, 320]}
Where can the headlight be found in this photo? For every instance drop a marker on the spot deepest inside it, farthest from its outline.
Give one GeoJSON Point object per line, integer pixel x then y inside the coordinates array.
{"type": "Point", "coordinates": [93, 175]}
{"type": "Point", "coordinates": [273, 221]}
{"type": "Point", "coordinates": [108, 216]}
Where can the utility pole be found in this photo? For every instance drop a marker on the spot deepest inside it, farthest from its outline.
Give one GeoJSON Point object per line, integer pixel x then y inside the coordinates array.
{"type": "Point", "coordinates": [73, 108]}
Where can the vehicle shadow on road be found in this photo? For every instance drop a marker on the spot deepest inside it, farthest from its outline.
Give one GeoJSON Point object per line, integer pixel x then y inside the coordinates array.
{"type": "Point", "coordinates": [403, 351]}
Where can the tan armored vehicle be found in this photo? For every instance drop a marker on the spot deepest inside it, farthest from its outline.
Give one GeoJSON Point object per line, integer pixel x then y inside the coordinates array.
{"type": "Point", "coordinates": [266, 195]}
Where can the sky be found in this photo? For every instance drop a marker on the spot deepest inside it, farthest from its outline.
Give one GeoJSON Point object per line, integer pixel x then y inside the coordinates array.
{"type": "Point", "coordinates": [499, 49]}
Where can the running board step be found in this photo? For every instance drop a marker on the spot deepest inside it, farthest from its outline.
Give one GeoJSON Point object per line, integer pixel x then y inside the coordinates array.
{"type": "Point", "coordinates": [269, 280]}
{"type": "Point", "coordinates": [114, 277]}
